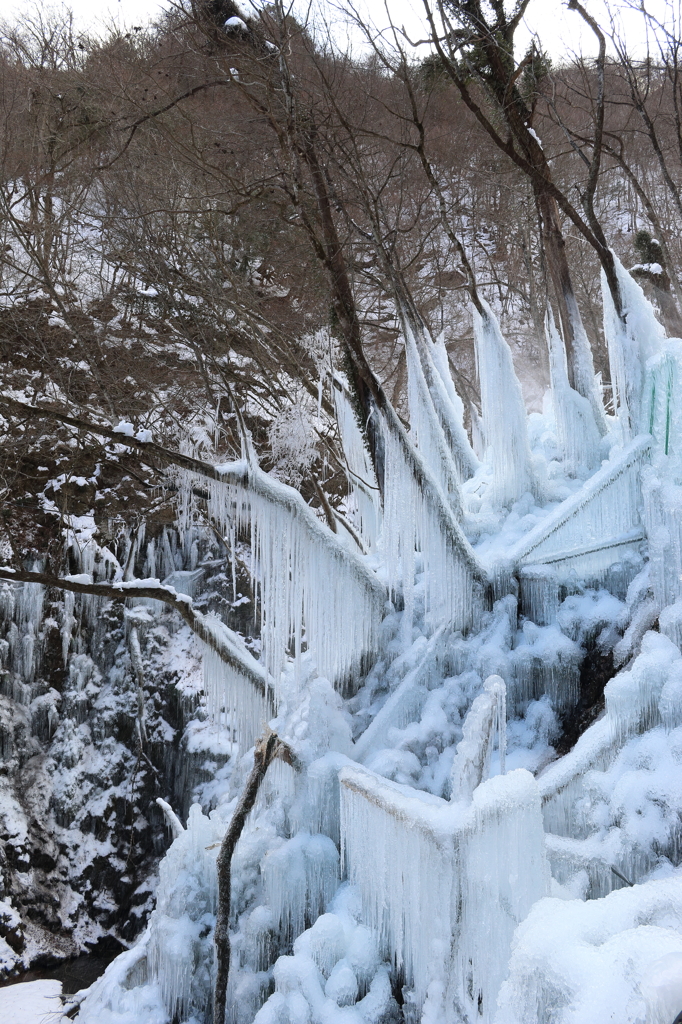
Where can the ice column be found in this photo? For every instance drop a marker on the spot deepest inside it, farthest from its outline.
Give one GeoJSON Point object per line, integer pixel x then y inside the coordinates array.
{"type": "Point", "coordinates": [364, 498]}
{"type": "Point", "coordinates": [632, 340]}
{"type": "Point", "coordinates": [504, 413]}
{"type": "Point", "coordinates": [426, 428]}
{"type": "Point", "coordinates": [576, 428]}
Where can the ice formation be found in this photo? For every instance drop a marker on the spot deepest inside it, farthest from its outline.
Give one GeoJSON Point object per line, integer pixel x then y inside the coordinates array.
{"type": "Point", "coordinates": [234, 701]}
{"type": "Point", "coordinates": [410, 851]}
{"type": "Point", "coordinates": [294, 559]}
{"type": "Point", "coordinates": [425, 426]}
{"type": "Point", "coordinates": [577, 430]}
{"type": "Point", "coordinates": [603, 515]}
{"type": "Point", "coordinates": [418, 518]}
{"type": "Point", "coordinates": [364, 501]}
{"type": "Point", "coordinates": [504, 413]}
{"type": "Point", "coordinates": [631, 341]}
{"type": "Point", "coordinates": [472, 870]}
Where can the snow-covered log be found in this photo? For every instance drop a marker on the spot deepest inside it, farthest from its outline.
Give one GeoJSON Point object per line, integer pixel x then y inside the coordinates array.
{"type": "Point", "coordinates": [444, 885]}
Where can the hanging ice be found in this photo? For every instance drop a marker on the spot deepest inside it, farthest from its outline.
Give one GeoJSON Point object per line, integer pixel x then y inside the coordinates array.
{"type": "Point", "coordinates": [418, 517]}
{"type": "Point", "coordinates": [471, 872]}
{"type": "Point", "coordinates": [425, 426]}
{"type": "Point", "coordinates": [296, 560]}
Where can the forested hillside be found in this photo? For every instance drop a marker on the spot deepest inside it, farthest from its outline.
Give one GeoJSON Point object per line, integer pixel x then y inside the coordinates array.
{"type": "Point", "coordinates": [341, 518]}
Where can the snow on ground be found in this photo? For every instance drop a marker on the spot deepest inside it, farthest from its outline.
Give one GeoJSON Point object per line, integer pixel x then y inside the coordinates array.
{"type": "Point", "coordinates": [32, 1002]}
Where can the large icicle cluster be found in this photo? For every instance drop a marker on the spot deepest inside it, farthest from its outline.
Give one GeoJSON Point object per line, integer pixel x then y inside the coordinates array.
{"type": "Point", "coordinates": [313, 591]}
{"type": "Point", "coordinates": [234, 700]}
{"type": "Point", "coordinates": [471, 872]}
{"type": "Point", "coordinates": [418, 517]}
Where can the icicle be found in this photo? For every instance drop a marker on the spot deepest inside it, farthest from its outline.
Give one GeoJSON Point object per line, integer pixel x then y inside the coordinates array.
{"type": "Point", "coordinates": [300, 877]}
{"type": "Point", "coordinates": [426, 428]}
{"type": "Point", "coordinates": [585, 381]}
{"type": "Point", "coordinates": [312, 589]}
{"type": "Point", "coordinates": [364, 498]}
{"type": "Point", "coordinates": [576, 428]}
{"type": "Point", "coordinates": [504, 414]}
{"type": "Point", "coordinates": [417, 516]}
{"type": "Point", "coordinates": [437, 408]}
{"type": "Point", "coordinates": [234, 701]}
{"type": "Point", "coordinates": [477, 432]}
{"type": "Point", "coordinates": [454, 409]}
{"type": "Point", "coordinates": [444, 886]}
{"type": "Point", "coordinates": [630, 345]}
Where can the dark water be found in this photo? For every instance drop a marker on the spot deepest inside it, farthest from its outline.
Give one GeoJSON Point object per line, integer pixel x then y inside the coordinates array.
{"type": "Point", "coordinates": [75, 974]}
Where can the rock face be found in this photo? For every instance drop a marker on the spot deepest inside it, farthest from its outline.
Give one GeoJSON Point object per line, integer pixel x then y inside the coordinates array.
{"type": "Point", "coordinates": [82, 761]}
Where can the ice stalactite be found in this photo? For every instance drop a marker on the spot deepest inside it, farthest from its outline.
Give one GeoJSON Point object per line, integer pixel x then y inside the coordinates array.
{"type": "Point", "coordinates": [425, 426]}
{"type": "Point", "coordinates": [577, 431]}
{"type": "Point", "coordinates": [472, 871]}
{"type": "Point", "coordinates": [631, 343]}
{"type": "Point", "coordinates": [418, 517]}
{"type": "Point", "coordinates": [504, 413]}
{"type": "Point", "coordinates": [300, 879]}
{"type": "Point", "coordinates": [234, 701]}
{"type": "Point", "coordinates": [453, 408]}
{"type": "Point", "coordinates": [364, 497]}
{"type": "Point", "coordinates": [312, 590]}
{"type": "Point", "coordinates": [436, 410]}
